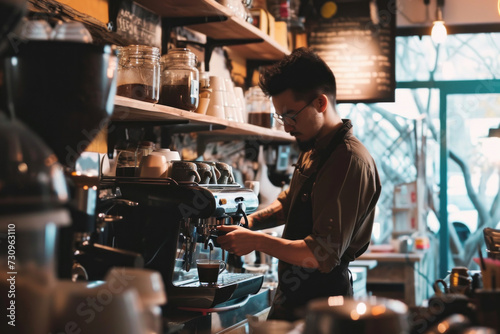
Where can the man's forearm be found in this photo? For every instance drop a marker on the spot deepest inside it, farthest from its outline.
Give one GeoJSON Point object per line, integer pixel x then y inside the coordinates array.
{"type": "Point", "coordinates": [295, 252]}
{"type": "Point", "coordinates": [271, 216]}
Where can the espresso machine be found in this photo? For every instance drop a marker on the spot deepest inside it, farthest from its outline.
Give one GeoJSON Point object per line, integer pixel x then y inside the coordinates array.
{"type": "Point", "coordinates": [173, 225]}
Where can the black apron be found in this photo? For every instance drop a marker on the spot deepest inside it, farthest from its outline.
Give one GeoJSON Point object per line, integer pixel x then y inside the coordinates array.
{"type": "Point", "coordinates": [298, 285]}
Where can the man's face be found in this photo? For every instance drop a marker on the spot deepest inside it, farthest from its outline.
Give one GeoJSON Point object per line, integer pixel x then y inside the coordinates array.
{"type": "Point", "coordinates": [306, 121]}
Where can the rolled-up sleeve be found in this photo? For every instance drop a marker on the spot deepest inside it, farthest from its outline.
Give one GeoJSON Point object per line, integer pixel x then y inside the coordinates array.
{"type": "Point", "coordinates": [285, 201]}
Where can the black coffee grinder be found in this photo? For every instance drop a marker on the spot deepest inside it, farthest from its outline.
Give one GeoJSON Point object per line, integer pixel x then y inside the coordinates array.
{"type": "Point", "coordinates": [64, 92]}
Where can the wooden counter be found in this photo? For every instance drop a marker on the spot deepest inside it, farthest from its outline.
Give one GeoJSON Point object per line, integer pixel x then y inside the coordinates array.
{"type": "Point", "coordinates": [399, 276]}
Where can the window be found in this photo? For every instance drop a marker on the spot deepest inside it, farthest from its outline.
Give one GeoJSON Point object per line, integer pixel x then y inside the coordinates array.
{"type": "Point", "coordinates": [457, 84]}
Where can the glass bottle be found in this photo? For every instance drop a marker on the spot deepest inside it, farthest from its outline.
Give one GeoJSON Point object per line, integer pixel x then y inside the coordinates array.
{"type": "Point", "coordinates": [205, 93]}
{"type": "Point", "coordinates": [138, 75]}
{"type": "Point", "coordinates": [143, 150]}
{"type": "Point", "coordinates": [126, 163]}
{"type": "Point", "coordinates": [260, 111]}
{"type": "Point", "coordinates": [180, 80]}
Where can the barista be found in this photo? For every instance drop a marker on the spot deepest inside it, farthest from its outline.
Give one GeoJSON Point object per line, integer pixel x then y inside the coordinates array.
{"type": "Point", "coordinates": [329, 208]}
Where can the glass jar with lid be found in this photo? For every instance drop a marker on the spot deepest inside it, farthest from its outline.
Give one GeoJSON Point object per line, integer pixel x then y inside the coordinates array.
{"type": "Point", "coordinates": [138, 75]}
{"type": "Point", "coordinates": [180, 80]}
{"type": "Point", "coordinates": [259, 108]}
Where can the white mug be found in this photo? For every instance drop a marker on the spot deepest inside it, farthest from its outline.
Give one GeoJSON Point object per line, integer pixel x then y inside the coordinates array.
{"type": "Point", "coordinates": [149, 285]}
{"type": "Point", "coordinates": [167, 153]}
{"type": "Point", "coordinates": [97, 307]}
{"type": "Point", "coordinates": [254, 186]}
{"type": "Point", "coordinates": [147, 282]}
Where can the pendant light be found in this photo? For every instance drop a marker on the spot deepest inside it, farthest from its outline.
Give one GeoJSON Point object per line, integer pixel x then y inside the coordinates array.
{"type": "Point", "coordinates": [439, 33]}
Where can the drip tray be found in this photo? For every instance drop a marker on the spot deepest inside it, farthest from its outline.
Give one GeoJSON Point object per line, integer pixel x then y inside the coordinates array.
{"type": "Point", "coordinates": [224, 280]}
{"type": "Point", "coordinates": [230, 286]}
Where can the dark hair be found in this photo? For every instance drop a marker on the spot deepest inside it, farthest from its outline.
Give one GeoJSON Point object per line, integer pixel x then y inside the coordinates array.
{"type": "Point", "coordinates": [304, 72]}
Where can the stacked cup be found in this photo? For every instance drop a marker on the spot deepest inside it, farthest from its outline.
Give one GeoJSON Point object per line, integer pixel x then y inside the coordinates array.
{"type": "Point", "coordinates": [240, 98]}
{"type": "Point", "coordinates": [231, 106]}
{"type": "Point", "coordinates": [217, 100]}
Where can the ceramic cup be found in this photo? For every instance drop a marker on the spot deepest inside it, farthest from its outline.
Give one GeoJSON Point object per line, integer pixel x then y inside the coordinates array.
{"type": "Point", "coordinates": [217, 83]}
{"type": "Point", "coordinates": [254, 186]}
{"type": "Point", "coordinates": [226, 173]}
{"type": "Point", "coordinates": [184, 171]}
{"type": "Point", "coordinates": [152, 165]}
{"type": "Point", "coordinates": [169, 155]}
{"type": "Point", "coordinates": [216, 105]}
{"type": "Point", "coordinates": [215, 172]}
{"type": "Point", "coordinates": [205, 172]}
{"type": "Point", "coordinates": [209, 270]}
{"type": "Point", "coordinates": [97, 307]}
{"type": "Point", "coordinates": [149, 284]}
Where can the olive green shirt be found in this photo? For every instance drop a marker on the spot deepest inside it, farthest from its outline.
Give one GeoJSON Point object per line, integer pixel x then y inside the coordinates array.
{"type": "Point", "coordinates": [343, 198]}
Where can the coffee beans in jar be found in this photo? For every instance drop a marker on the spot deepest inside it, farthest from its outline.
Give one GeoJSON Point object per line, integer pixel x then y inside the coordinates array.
{"type": "Point", "coordinates": [180, 80]}
{"type": "Point", "coordinates": [138, 75]}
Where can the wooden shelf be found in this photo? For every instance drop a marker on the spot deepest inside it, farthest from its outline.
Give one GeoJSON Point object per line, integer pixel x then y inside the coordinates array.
{"type": "Point", "coordinates": [226, 29]}
{"type": "Point", "coordinates": [130, 110]}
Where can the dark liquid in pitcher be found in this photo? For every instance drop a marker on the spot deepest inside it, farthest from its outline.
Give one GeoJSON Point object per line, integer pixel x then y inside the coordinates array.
{"type": "Point", "coordinates": [264, 119]}
{"type": "Point", "coordinates": [125, 171]}
{"type": "Point", "coordinates": [208, 272]}
{"type": "Point", "coordinates": [138, 92]}
{"type": "Point", "coordinates": [178, 96]}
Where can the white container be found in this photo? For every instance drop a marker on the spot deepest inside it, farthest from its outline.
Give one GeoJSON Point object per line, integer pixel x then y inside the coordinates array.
{"type": "Point", "coordinates": [153, 165]}
{"type": "Point", "coordinates": [240, 99]}
{"type": "Point", "coordinates": [169, 157]}
{"type": "Point", "coordinates": [167, 153]}
{"type": "Point", "coordinates": [149, 285]}
{"type": "Point", "coordinates": [217, 101]}
{"type": "Point", "coordinates": [230, 101]}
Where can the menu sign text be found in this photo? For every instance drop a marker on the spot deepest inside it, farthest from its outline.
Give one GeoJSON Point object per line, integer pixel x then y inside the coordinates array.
{"type": "Point", "coordinates": [360, 53]}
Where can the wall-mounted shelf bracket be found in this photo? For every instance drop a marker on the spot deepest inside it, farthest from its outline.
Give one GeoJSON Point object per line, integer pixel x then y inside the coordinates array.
{"type": "Point", "coordinates": [117, 130]}
{"type": "Point", "coordinates": [211, 44]}
{"type": "Point", "coordinates": [168, 23]}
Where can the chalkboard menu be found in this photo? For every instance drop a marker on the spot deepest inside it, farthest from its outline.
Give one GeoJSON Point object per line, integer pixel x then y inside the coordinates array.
{"type": "Point", "coordinates": [360, 50]}
{"type": "Point", "coordinates": [135, 23]}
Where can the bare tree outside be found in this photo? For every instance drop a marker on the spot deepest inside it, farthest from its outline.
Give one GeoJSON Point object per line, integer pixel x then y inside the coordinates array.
{"type": "Point", "coordinates": [473, 171]}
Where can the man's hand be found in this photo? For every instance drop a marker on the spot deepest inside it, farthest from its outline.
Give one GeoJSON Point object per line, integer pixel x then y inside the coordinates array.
{"type": "Point", "coordinates": [241, 241]}
{"type": "Point", "coordinates": [237, 240]}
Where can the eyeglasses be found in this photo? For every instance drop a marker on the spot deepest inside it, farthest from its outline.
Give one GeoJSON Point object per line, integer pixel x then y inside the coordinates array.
{"type": "Point", "coordinates": [290, 120]}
